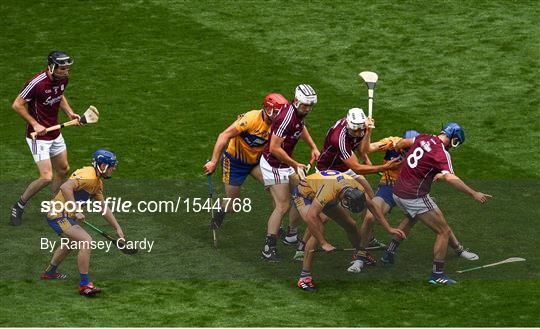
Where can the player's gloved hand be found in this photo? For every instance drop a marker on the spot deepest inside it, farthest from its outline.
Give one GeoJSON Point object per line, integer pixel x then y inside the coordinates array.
{"type": "Point", "coordinates": [481, 197]}
{"type": "Point", "coordinates": [397, 232]}
{"type": "Point", "coordinates": [120, 232]}
{"type": "Point", "coordinates": [39, 129]}
{"type": "Point", "coordinates": [209, 167]}
{"type": "Point", "coordinates": [327, 247]}
{"type": "Point", "coordinates": [80, 217]}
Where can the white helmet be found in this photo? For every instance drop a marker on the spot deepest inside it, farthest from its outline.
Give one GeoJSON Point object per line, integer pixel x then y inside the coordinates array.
{"type": "Point", "coordinates": [305, 94]}
{"type": "Point", "coordinates": [356, 119]}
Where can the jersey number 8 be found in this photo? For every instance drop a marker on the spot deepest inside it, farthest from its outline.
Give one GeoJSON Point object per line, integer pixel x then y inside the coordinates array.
{"type": "Point", "coordinates": [414, 157]}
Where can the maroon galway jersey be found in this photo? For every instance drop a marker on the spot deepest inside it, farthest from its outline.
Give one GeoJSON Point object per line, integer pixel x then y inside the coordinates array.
{"type": "Point", "coordinates": [287, 124]}
{"type": "Point", "coordinates": [43, 97]}
{"type": "Point", "coordinates": [338, 146]}
{"type": "Point", "coordinates": [425, 158]}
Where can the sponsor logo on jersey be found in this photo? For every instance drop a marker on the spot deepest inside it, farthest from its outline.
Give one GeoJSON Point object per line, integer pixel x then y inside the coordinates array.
{"type": "Point", "coordinates": [52, 100]}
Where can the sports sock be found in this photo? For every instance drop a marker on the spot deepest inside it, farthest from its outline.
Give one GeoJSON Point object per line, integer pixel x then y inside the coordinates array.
{"type": "Point", "coordinates": [305, 273]}
{"type": "Point", "coordinates": [393, 245]}
{"type": "Point", "coordinates": [84, 279]}
{"type": "Point", "coordinates": [459, 249]}
{"type": "Point", "coordinates": [21, 203]}
{"type": "Point", "coordinates": [301, 246]}
{"type": "Point", "coordinates": [438, 265]}
{"type": "Point", "coordinates": [271, 240]}
{"type": "Point", "coordinates": [292, 230]}
{"type": "Point", "coordinates": [51, 269]}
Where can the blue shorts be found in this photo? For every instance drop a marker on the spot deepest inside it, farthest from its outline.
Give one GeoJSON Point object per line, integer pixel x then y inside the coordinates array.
{"type": "Point", "coordinates": [385, 192]}
{"type": "Point", "coordinates": [61, 224]}
{"type": "Point", "coordinates": [235, 171]}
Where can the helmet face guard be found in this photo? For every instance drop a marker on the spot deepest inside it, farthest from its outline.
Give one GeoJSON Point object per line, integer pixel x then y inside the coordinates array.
{"type": "Point", "coordinates": [58, 59]}
{"type": "Point", "coordinates": [353, 199]}
{"type": "Point", "coordinates": [455, 133]}
{"type": "Point", "coordinates": [105, 157]}
{"type": "Point", "coordinates": [272, 102]}
{"type": "Point", "coordinates": [304, 94]}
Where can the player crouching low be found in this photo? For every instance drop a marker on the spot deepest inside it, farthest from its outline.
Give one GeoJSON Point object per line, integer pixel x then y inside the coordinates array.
{"type": "Point", "coordinates": [332, 193]}
{"type": "Point", "coordinates": [83, 184]}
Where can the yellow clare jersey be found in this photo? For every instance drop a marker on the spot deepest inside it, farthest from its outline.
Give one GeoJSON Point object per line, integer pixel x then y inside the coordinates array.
{"type": "Point", "coordinates": [254, 131]}
{"type": "Point", "coordinates": [389, 177]}
{"type": "Point", "coordinates": [88, 185]}
{"type": "Point", "coordinates": [326, 185]}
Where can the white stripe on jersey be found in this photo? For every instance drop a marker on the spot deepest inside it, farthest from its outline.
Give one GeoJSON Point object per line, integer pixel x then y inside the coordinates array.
{"type": "Point", "coordinates": [448, 159]}
{"type": "Point", "coordinates": [31, 85]}
{"type": "Point", "coordinates": [285, 122]}
{"type": "Point", "coordinates": [342, 148]}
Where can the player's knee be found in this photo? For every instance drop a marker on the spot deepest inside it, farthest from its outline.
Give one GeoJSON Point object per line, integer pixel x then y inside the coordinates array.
{"type": "Point", "coordinates": [62, 170]}
{"type": "Point", "coordinates": [87, 242]}
{"type": "Point", "coordinates": [369, 218]}
{"type": "Point", "coordinates": [45, 174]}
{"type": "Point", "coordinates": [46, 177]}
{"type": "Point", "coordinates": [283, 207]}
{"type": "Point", "coordinates": [445, 230]}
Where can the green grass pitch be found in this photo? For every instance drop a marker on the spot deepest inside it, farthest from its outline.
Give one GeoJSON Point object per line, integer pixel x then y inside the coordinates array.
{"type": "Point", "coordinates": [168, 76]}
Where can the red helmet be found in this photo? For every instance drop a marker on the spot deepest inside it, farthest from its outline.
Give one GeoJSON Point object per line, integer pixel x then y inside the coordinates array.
{"type": "Point", "coordinates": [273, 101]}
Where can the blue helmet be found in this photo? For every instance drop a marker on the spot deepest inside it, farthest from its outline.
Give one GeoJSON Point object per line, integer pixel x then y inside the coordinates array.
{"type": "Point", "coordinates": [103, 156]}
{"type": "Point", "coordinates": [411, 134]}
{"type": "Point", "coordinates": [456, 134]}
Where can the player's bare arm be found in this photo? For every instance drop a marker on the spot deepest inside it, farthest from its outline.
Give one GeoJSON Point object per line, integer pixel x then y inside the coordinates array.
{"type": "Point", "coordinates": [277, 151]}
{"type": "Point", "coordinates": [385, 145]}
{"type": "Point", "coordinates": [19, 106]}
{"type": "Point", "coordinates": [364, 146]}
{"type": "Point", "coordinates": [362, 169]}
{"type": "Point", "coordinates": [316, 226]}
{"type": "Point", "coordinates": [376, 211]}
{"type": "Point", "coordinates": [306, 137]}
{"type": "Point", "coordinates": [109, 217]}
{"type": "Point", "coordinates": [64, 105]}
{"type": "Point", "coordinates": [68, 191]}
{"type": "Point", "coordinates": [366, 159]}
{"type": "Point", "coordinates": [404, 143]}
{"type": "Point", "coordinates": [221, 143]}
{"type": "Point", "coordinates": [460, 185]}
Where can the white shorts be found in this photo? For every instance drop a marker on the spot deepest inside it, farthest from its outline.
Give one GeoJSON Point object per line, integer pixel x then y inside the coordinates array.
{"type": "Point", "coordinates": [274, 176]}
{"type": "Point", "coordinates": [413, 207]}
{"type": "Point", "coordinates": [43, 150]}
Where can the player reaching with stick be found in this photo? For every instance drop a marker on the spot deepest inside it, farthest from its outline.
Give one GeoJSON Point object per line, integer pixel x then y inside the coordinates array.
{"type": "Point", "coordinates": [83, 184]}
{"type": "Point", "coordinates": [277, 163]}
{"type": "Point", "coordinates": [244, 141]}
{"type": "Point", "coordinates": [333, 193]}
{"type": "Point", "coordinates": [38, 104]}
{"type": "Point", "coordinates": [427, 157]}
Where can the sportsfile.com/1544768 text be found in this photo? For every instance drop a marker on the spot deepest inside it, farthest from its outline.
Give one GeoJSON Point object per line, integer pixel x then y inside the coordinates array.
{"type": "Point", "coordinates": [118, 205]}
